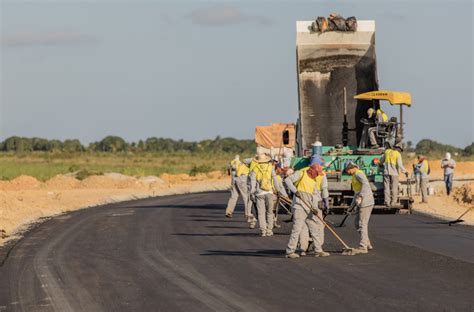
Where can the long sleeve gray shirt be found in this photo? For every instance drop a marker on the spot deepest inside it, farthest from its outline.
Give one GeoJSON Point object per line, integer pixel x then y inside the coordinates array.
{"type": "Point", "coordinates": [255, 185]}
{"type": "Point", "coordinates": [313, 198]}
{"type": "Point", "coordinates": [365, 192]}
{"type": "Point", "coordinates": [393, 169]}
{"type": "Point", "coordinates": [448, 166]}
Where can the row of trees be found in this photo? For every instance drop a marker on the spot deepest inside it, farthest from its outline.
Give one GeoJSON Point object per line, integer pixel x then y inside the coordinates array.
{"type": "Point", "coordinates": [118, 144]}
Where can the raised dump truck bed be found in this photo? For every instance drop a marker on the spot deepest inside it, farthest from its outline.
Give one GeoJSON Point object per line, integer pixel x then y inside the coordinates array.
{"type": "Point", "coordinates": [326, 64]}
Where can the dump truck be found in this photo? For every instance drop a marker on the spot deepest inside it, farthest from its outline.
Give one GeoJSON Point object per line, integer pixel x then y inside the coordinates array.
{"type": "Point", "coordinates": [337, 84]}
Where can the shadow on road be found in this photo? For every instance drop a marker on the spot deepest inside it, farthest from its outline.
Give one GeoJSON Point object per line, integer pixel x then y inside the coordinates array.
{"type": "Point", "coordinates": [273, 253]}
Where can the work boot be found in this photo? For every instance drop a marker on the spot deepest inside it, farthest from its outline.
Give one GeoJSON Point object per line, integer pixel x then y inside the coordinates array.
{"type": "Point", "coordinates": [252, 225]}
{"type": "Point", "coordinates": [269, 233]}
{"type": "Point", "coordinates": [321, 254]}
{"type": "Point", "coordinates": [369, 247]}
{"type": "Point", "coordinates": [228, 215]}
{"type": "Point", "coordinates": [292, 255]}
{"type": "Point", "coordinates": [302, 254]}
{"type": "Point", "coordinates": [360, 250]}
{"type": "Point", "coordinates": [263, 234]}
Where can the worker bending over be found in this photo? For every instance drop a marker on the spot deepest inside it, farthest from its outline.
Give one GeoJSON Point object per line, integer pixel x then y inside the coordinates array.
{"type": "Point", "coordinates": [392, 163]}
{"type": "Point", "coordinates": [362, 205]}
{"type": "Point", "coordinates": [306, 184]}
{"type": "Point", "coordinates": [263, 185]}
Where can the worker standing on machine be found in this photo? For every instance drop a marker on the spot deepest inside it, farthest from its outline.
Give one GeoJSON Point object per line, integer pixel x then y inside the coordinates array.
{"type": "Point", "coordinates": [362, 205]}
{"type": "Point", "coordinates": [392, 163]}
{"type": "Point", "coordinates": [306, 185]}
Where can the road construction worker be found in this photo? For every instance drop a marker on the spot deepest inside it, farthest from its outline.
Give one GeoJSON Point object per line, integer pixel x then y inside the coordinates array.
{"type": "Point", "coordinates": [234, 192]}
{"type": "Point", "coordinates": [421, 171]}
{"type": "Point", "coordinates": [448, 164]}
{"type": "Point", "coordinates": [362, 205]}
{"type": "Point", "coordinates": [323, 189]}
{"type": "Point", "coordinates": [263, 185]}
{"type": "Point", "coordinates": [392, 163]}
{"type": "Point", "coordinates": [306, 185]}
{"type": "Point", "coordinates": [380, 117]}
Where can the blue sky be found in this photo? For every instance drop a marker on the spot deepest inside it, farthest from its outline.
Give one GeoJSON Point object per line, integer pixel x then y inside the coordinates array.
{"type": "Point", "coordinates": [195, 70]}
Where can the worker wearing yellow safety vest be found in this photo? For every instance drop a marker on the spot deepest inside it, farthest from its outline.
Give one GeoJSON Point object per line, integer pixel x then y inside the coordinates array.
{"type": "Point", "coordinates": [421, 171]}
{"type": "Point", "coordinates": [238, 172]}
{"type": "Point", "coordinates": [392, 164]}
{"type": "Point", "coordinates": [362, 205]}
{"type": "Point", "coordinates": [307, 185]}
{"type": "Point", "coordinates": [380, 117]}
{"type": "Point", "coordinates": [263, 185]}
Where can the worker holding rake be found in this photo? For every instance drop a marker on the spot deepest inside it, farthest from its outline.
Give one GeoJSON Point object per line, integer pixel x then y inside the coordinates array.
{"type": "Point", "coordinates": [306, 185]}
{"type": "Point", "coordinates": [362, 205]}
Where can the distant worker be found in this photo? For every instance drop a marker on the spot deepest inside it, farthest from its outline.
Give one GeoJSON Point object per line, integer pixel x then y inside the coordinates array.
{"type": "Point", "coordinates": [323, 189]}
{"type": "Point", "coordinates": [263, 185]}
{"type": "Point", "coordinates": [448, 164]}
{"type": "Point", "coordinates": [306, 184]}
{"type": "Point", "coordinates": [234, 193]}
{"type": "Point", "coordinates": [393, 164]}
{"type": "Point", "coordinates": [421, 172]}
{"type": "Point", "coordinates": [380, 117]}
{"type": "Point", "coordinates": [362, 203]}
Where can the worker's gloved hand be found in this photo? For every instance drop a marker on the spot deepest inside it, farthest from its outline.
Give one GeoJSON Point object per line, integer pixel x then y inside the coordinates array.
{"type": "Point", "coordinates": [326, 206]}
{"type": "Point", "coordinates": [358, 200]}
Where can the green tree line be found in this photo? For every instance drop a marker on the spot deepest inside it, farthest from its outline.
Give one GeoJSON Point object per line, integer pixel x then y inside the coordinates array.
{"type": "Point", "coordinates": [116, 144]}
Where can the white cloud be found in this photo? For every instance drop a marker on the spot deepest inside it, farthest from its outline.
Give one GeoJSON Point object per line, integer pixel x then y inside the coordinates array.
{"type": "Point", "coordinates": [222, 15]}
{"type": "Point", "coordinates": [47, 38]}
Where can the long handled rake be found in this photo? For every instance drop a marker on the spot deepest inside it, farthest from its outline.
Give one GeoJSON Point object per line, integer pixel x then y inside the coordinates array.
{"type": "Point", "coordinates": [346, 247]}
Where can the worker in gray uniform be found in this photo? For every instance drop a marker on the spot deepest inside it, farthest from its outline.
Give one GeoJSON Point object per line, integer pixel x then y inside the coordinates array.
{"type": "Point", "coordinates": [392, 164]}
{"type": "Point", "coordinates": [263, 186]}
{"type": "Point", "coordinates": [422, 170]}
{"type": "Point", "coordinates": [448, 164]}
{"type": "Point", "coordinates": [362, 205]}
{"type": "Point", "coordinates": [306, 185]}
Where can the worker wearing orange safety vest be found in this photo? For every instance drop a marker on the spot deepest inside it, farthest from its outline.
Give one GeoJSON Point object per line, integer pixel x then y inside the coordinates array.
{"type": "Point", "coordinates": [421, 171]}
{"type": "Point", "coordinates": [307, 185]}
{"type": "Point", "coordinates": [393, 164]}
{"type": "Point", "coordinates": [263, 184]}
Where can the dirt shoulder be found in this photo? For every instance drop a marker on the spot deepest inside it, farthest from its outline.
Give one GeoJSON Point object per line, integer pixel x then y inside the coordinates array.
{"type": "Point", "coordinates": [24, 199]}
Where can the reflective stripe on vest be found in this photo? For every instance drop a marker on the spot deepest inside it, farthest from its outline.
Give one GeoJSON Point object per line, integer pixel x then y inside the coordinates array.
{"type": "Point", "coordinates": [242, 169]}
{"type": "Point", "coordinates": [356, 184]}
{"type": "Point", "coordinates": [263, 174]}
{"type": "Point", "coordinates": [426, 166]}
{"type": "Point", "coordinates": [306, 184]}
{"type": "Point", "coordinates": [384, 116]}
{"type": "Point", "coordinates": [391, 156]}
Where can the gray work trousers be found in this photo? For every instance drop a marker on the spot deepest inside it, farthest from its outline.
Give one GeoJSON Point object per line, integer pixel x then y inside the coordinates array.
{"type": "Point", "coordinates": [302, 216]}
{"type": "Point", "coordinates": [390, 189]}
{"type": "Point", "coordinates": [361, 223]}
{"type": "Point", "coordinates": [240, 187]}
{"type": "Point", "coordinates": [372, 138]}
{"type": "Point", "coordinates": [417, 183]}
{"type": "Point", "coordinates": [265, 203]}
{"type": "Point", "coordinates": [424, 189]}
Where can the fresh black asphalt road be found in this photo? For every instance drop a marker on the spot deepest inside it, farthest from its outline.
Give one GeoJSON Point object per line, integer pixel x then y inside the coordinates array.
{"type": "Point", "coordinates": [179, 253]}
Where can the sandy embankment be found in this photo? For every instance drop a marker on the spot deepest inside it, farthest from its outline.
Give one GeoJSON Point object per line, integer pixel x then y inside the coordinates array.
{"type": "Point", "coordinates": [442, 206]}
{"type": "Point", "coordinates": [24, 199]}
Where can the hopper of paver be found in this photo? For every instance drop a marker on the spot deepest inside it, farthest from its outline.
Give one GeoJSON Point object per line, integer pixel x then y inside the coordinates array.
{"type": "Point", "coordinates": [326, 64]}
